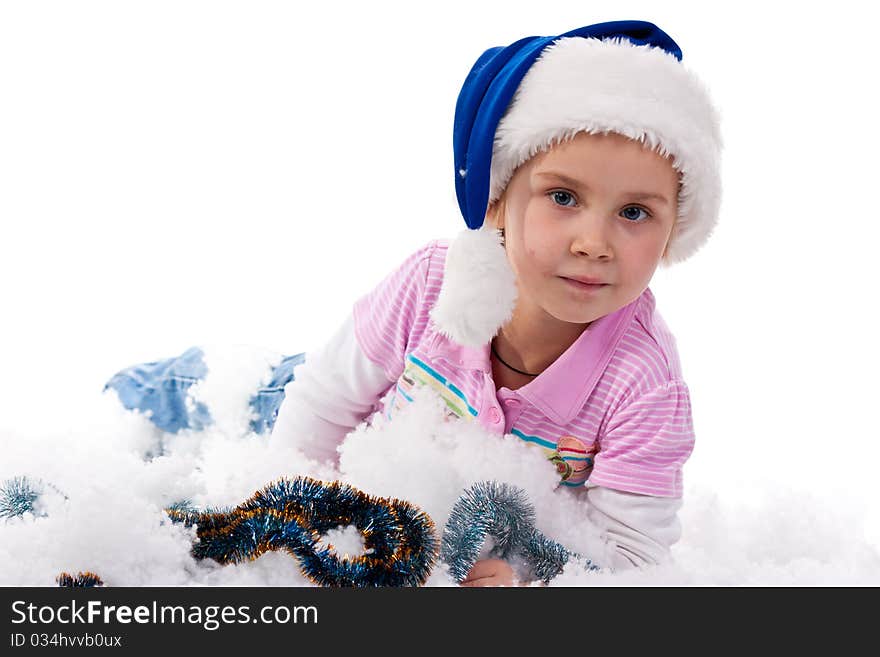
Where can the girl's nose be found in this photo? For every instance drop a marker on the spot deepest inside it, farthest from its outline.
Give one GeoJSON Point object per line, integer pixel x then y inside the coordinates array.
{"type": "Point", "coordinates": [590, 237]}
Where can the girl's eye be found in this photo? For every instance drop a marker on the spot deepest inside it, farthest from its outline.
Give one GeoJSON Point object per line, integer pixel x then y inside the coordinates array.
{"type": "Point", "coordinates": [562, 198]}
{"type": "Point", "coordinates": [567, 200]}
{"type": "Point", "coordinates": [628, 213]}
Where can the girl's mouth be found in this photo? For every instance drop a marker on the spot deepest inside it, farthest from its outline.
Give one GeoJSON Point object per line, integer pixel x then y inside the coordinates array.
{"type": "Point", "coordinates": [584, 287]}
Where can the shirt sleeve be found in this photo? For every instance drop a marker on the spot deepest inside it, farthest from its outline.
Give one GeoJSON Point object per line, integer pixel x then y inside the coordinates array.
{"type": "Point", "coordinates": [646, 443]}
{"type": "Point", "coordinates": [335, 389]}
{"type": "Point", "coordinates": [385, 317]}
{"type": "Point", "coordinates": [339, 385]}
{"type": "Point", "coordinates": [637, 530]}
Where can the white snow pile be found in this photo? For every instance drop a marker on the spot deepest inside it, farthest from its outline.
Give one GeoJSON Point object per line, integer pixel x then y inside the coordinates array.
{"type": "Point", "coordinates": [109, 473]}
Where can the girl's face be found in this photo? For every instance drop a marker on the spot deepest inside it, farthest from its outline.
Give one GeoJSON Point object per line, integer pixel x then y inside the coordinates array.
{"type": "Point", "coordinates": [597, 206]}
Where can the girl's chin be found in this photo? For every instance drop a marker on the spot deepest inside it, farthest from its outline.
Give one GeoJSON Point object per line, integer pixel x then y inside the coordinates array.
{"type": "Point", "coordinates": [566, 315]}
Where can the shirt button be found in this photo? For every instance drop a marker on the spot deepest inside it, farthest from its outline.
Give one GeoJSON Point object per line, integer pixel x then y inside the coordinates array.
{"type": "Point", "coordinates": [511, 403]}
{"type": "Point", "coordinates": [494, 415]}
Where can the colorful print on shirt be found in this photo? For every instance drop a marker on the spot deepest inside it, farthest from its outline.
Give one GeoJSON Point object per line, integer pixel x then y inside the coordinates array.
{"type": "Point", "coordinates": [574, 460]}
{"type": "Point", "coordinates": [418, 373]}
{"type": "Point", "coordinates": [572, 457]}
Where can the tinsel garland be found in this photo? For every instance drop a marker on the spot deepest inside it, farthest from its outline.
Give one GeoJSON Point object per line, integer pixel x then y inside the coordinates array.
{"type": "Point", "coordinates": [20, 495]}
{"type": "Point", "coordinates": [502, 511]}
{"type": "Point", "coordinates": [293, 515]}
{"type": "Point", "coordinates": [400, 547]}
{"type": "Point", "coordinates": [85, 580]}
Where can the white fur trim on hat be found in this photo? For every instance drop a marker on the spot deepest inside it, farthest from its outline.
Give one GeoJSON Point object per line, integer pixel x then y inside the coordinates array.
{"type": "Point", "coordinates": [479, 292]}
{"type": "Point", "coordinates": [641, 92]}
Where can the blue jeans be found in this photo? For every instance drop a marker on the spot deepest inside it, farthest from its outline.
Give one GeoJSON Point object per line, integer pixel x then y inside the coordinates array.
{"type": "Point", "coordinates": [161, 387]}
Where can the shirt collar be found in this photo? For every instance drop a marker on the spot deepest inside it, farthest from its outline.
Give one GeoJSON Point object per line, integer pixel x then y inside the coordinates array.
{"type": "Point", "coordinates": [561, 390]}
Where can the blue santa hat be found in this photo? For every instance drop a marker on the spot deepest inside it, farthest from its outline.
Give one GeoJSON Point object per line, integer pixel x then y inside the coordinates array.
{"type": "Point", "coordinates": [624, 77]}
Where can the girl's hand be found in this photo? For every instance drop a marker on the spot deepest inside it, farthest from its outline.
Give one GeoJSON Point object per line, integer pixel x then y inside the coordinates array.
{"type": "Point", "coordinates": [490, 572]}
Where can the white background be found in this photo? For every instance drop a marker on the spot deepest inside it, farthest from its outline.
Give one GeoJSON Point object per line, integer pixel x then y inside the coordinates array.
{"type": "Point", "coordinates": [180, 173]}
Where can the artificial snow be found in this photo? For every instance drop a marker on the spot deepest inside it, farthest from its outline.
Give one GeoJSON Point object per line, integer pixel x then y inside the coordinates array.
{"type": "Point", "coordinates": [110, 473]}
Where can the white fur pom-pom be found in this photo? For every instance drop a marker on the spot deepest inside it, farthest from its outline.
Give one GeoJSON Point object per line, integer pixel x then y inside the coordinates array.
{"type": "Point", "coordinates": [479, 288]}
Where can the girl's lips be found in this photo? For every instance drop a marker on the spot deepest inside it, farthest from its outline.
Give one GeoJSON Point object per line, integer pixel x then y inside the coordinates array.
{"type": "Point", "coordinates": [584, 287]}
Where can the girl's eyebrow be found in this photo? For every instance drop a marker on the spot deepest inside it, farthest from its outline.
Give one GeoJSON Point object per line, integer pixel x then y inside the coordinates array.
{"type": "Point", "coordinates": [571, 182]}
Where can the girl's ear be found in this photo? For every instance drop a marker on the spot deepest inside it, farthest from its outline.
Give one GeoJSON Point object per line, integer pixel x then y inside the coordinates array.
{"type": "Point", "coordinates": [491, 215]}
{"type": "Point", "coordinates": [495, 214]}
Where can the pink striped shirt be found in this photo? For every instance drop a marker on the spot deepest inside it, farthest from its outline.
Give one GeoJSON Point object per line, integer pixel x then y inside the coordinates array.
{"type": "Point", "coordinates": [613, 409]}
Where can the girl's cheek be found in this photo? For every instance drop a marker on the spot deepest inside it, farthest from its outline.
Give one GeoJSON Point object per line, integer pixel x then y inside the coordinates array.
{"type": "Point", "coordinates": [532, 228]}
{"type": "Point", "coordinates": [539, 260]}
{"type": "Point", "coordinates": [539, 245]}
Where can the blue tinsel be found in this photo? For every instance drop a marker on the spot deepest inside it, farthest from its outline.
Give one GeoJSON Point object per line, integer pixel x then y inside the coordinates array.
{"type": "Point", "coordinates": [293, 515]}
{"type": "Point", "coordinates": [502, 511]}
{"type": "Point", "coordinates": [17, 497]}
{"type": "Point", "coordinates": [20, 495]}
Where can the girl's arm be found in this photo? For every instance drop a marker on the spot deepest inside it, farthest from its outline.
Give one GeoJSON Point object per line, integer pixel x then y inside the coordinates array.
{"type": "Point", "coordinates": [338, 386]}
{"type": "Point", "coordinates": [638, 530]}
{"type": "Point", "coordinates": [335, 389]}
{"type": "Point", "coordinates": [635, 490]}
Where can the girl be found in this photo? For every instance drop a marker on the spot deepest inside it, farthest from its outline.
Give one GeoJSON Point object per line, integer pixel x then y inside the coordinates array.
{"type": "Point", "coordinates": [582, 161]}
